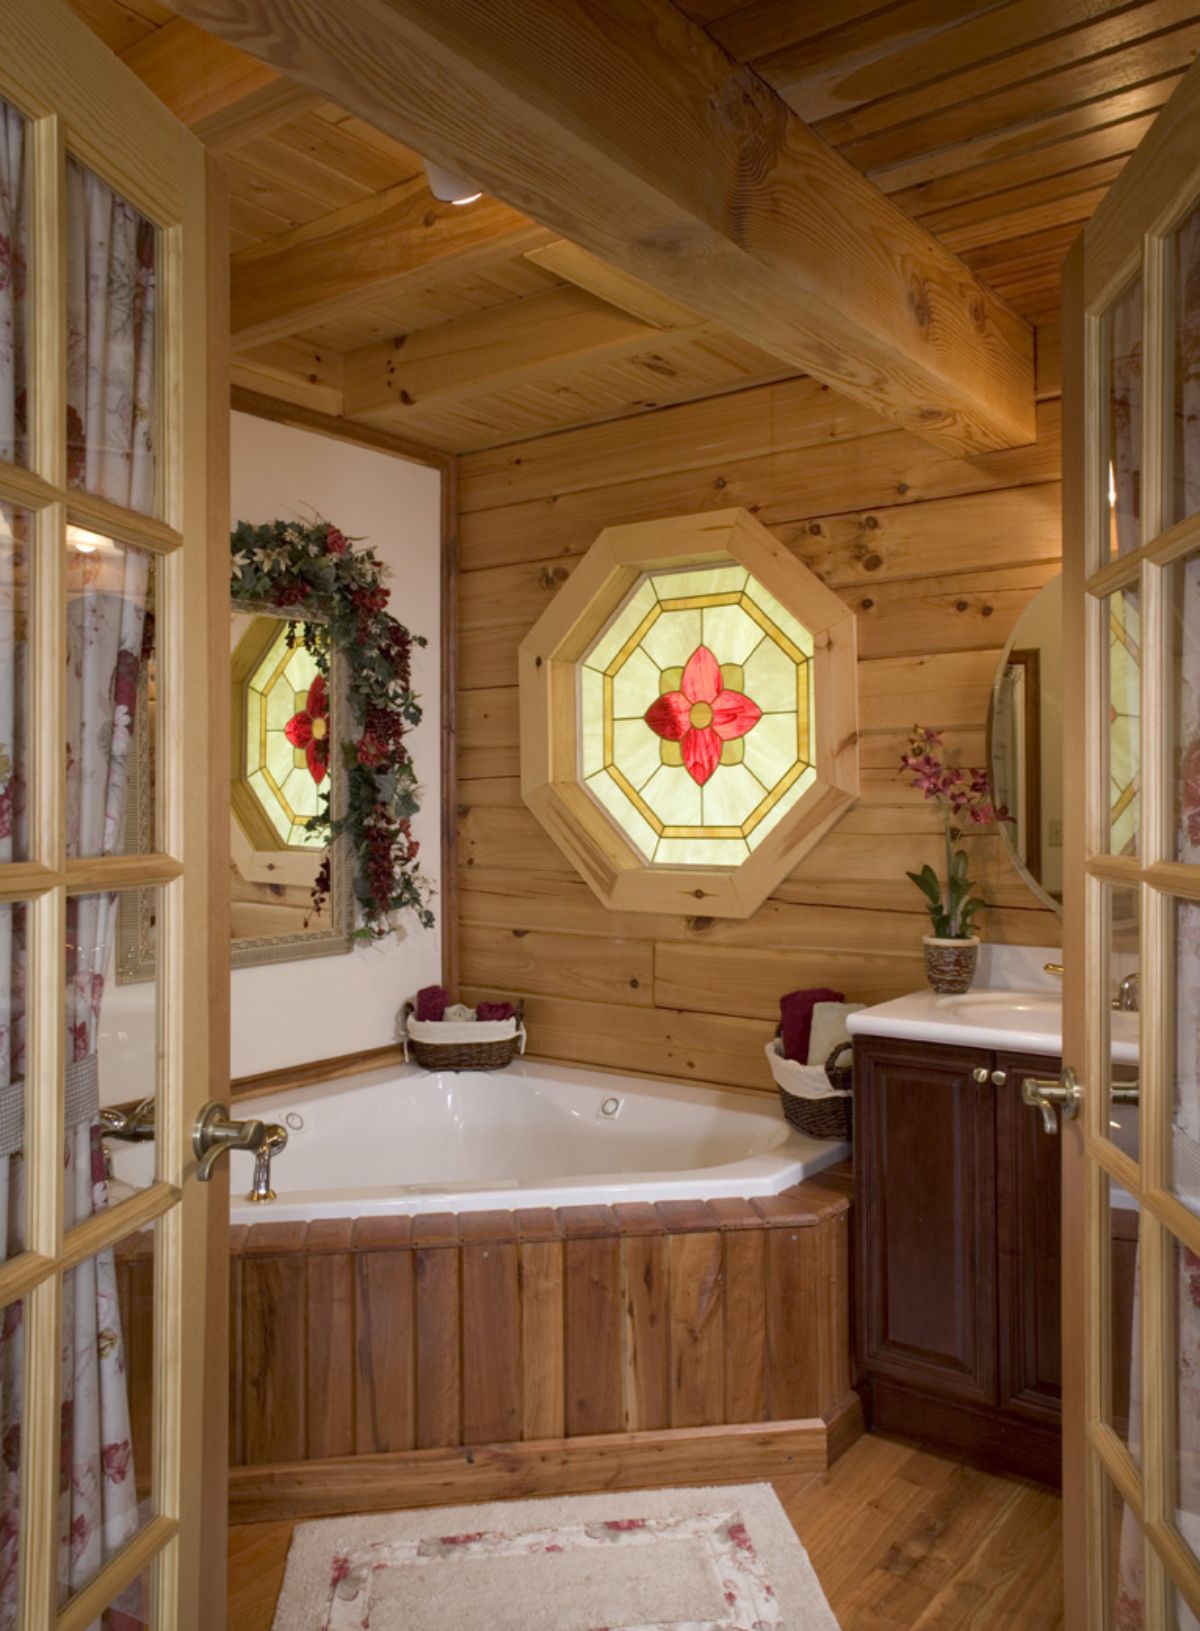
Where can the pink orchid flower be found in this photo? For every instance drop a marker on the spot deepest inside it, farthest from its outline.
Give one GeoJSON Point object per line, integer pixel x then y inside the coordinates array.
{"type": "Point", "coordinates": [702, 715]}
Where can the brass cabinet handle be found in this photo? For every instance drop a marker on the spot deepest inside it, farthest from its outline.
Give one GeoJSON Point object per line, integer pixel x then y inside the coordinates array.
{"type": "Point", "coordinates": [999, 1077]}
{"type": "Point", "coordinates": [980, 1074]}
{"type": "Point", "coordinates": [1044, 1093]}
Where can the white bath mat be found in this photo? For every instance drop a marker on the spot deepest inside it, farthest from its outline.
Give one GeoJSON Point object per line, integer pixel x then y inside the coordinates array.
{"type": "Point", "coordinates": [723, 1559]}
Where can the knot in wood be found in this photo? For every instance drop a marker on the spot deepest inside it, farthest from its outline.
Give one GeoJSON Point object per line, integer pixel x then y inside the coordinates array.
{"type": "Point", "coordinates": [919, 302]}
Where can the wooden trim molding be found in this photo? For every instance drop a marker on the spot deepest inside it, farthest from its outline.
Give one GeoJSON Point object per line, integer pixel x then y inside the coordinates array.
{"type": "Point", "coordinates": [449, 781]}
{"type": "Point", "coordinates": [562, 1466]}
{"type": "Point", "coordinates": [264, 406]}
{"type": "Point", "coordinates": [290, 1077]}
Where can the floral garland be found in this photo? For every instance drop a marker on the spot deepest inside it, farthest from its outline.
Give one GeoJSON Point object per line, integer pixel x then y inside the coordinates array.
{"type": "Point", "coordinates": [310, 567]}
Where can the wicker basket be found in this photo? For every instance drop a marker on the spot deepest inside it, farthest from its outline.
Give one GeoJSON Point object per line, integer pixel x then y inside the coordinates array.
{"type": "Point", "coordinates": [492, 1055]}
{"type": "Point", "coordinates": [829, 1115]}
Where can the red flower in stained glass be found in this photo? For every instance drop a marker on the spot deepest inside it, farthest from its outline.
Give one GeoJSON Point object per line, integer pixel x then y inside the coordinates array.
{"type": "Point", "coordinates": [702, 715]}
{"type": "Point", "coordinates": [309, 729]}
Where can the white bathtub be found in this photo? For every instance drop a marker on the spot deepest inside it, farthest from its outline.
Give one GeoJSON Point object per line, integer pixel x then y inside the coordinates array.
{"type": "Point", "coordinates": [404, 1140]}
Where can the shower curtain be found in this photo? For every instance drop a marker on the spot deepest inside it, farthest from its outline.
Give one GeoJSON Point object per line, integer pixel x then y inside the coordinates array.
{"type": "Point", "coordinates": [110, 368]}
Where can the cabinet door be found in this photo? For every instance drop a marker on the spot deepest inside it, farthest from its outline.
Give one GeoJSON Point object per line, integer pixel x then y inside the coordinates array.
{"type": "Point", "coordinates": [925, 1186]}
{"type": "Point", "coordinates": [1029, 1242]}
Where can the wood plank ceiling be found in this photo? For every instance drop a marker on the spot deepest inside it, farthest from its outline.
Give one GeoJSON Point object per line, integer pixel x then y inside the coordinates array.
{"type": "Point", "coordinates": [998, 124]}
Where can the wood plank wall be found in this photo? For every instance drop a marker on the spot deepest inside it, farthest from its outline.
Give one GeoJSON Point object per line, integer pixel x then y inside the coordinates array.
{"type": "Point", "coordinates": [938, 555]}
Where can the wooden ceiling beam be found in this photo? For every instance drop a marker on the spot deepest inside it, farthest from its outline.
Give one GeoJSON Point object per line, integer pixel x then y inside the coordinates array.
{"type": "Point", "coordinates": [574, 265]}
{"type": "Point", "coordinates": [225, 96]}
{"type": "Point", "coordinates": [542, 337]}
{"type": "Point", "coordinates": [401, 238]}
{"type": "Point", "coordinates": [627, 130]}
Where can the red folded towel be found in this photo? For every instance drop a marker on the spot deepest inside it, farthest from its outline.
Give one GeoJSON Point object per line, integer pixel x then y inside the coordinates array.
{"type": "Point", "coordinates": [796, 1011]}
{"type": "Point", "coordinates": [495, 1010]}
{"type": "Point", "coordinates": [432, 1003]}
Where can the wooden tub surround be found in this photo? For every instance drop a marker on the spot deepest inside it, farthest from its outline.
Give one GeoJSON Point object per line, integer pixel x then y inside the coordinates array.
{"type": "Point", "coordinates": [391, 1361]}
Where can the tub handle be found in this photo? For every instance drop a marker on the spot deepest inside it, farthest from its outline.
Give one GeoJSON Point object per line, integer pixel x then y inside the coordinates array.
{"type": "Point", "coordinates": [215, 1132]}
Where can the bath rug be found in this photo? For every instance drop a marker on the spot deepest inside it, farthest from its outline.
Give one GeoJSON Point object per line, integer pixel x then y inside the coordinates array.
{"type": "Point", "coordinates": [724, 1559]}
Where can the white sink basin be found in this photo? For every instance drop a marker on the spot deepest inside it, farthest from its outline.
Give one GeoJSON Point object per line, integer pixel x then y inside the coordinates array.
{"type": "Point", "coordinates": [1021, 1002]}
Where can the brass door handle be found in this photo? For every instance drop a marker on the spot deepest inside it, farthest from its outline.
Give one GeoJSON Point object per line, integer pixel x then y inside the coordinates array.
{"type": "Point", "coordinates": [1044, 1093]}
{"type": "Point", "coordinates": [215, 1132]}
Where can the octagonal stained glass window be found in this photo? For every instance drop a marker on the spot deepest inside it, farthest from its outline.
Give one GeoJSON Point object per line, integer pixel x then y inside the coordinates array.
{"type": "Point", "coordinates": [696, 728]}
{"type": "Point", "coordinates": [287, 739]}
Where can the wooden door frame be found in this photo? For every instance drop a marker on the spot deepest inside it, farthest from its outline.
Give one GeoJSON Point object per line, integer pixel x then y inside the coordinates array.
{"type": "Point", "coordinates": [1074, 1300]}
{"type": "Point", "coordinates": [1127, 237]}
{"type": "Point", "coordinates": [80, 100]}
{"type": "Point", "coordinates": [214, 1519]}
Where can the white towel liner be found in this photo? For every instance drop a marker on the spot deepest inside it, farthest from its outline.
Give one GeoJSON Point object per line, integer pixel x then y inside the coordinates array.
{"type": "Point", "coordinates": [801, 1081]}
{"type": "Point", "coordinates": [462, 1031]}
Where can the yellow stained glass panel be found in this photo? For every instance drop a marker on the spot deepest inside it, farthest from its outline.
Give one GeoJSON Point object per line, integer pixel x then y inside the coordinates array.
{"type": "Point", "coordinates": [770, 678]}
{"type": "Point", "coordinates": [674, 797]}
{"type": "Point", "coordinates": [785, 798]}
{"type": "Point", "coordinates": [634, 684]}
{"type": "Point", "coordinates": [673, 637]}
{"type": "Point", "coordinates": [731, 631]}
{"type": "Point", "coordinates": [636, 750]}
{"type": "Point", "coordinates": [625, 624]}
{"type": "Point", "coordinates": [635, 826]}
{"type": "Point", "coordinates": [591, 713]}
{"type": "Point", "coordinates": [727, 800]}
{"type": "Point", "coordinates": [702, 852]}
{"type": "Point", "coordinates": [695, 715]}
{"type": "Point", "coordinates": [276, 769]}
{"type": "Point", "coordinates": [700, 580]}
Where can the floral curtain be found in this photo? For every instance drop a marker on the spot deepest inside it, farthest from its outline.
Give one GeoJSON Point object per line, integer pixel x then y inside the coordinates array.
{"type": "Point", "coordinates": [13, 230]}
{"type": "Point", "coordinates": [110, 368]}
{"type": "Point", "coordinates": [1124, 322]}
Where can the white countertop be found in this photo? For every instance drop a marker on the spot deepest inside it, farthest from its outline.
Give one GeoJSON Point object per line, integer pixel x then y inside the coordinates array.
{"type": "Point", "coordinates": [1013, 1021]}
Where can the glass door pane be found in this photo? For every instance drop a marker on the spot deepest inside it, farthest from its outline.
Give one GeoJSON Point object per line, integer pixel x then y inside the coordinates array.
{"type": "Point", "coordinates": [1183, 417]}
{"type": "Point", "coordinates": [1121, 460]}
{"type": "Point", "coordinates": [1124, 667]}
{"type": "Point", "coordinates": [112, 344]}
{"type": "Point", "coordinates": [14, 277]}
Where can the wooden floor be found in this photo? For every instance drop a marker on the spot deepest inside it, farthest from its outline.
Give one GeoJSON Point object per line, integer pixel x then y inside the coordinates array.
{"type": "Point", "coordinates": [902, 1541]}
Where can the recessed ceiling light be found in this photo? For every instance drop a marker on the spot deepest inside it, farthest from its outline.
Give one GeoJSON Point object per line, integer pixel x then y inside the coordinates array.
{"type": "Point", "coordinates": [449, 188]}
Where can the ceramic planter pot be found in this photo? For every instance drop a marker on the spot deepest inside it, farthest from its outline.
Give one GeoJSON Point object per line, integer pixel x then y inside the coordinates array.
{"type": "Point", "coordinates": [950, 964]}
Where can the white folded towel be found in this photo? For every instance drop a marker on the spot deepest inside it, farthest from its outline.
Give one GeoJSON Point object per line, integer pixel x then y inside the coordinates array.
{"type": "Point", "coordinates": [829, 1028]}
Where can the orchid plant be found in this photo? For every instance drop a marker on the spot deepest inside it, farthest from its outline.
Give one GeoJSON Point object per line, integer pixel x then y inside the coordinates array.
{"type": "Point", "coordinates": [962, 796]}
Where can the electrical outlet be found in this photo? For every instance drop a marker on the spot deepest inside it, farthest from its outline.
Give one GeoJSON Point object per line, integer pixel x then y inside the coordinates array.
{"type": "Point", "coordinates": [1056, 835]}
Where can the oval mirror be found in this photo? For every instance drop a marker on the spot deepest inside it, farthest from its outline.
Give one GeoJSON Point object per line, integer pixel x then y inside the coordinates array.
{"type": "Point", "coordinates": [1025, 743]}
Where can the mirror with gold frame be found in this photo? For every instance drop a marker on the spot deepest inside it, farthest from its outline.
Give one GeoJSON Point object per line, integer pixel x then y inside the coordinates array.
{"type": "Point", "coordinates": [287, 713]}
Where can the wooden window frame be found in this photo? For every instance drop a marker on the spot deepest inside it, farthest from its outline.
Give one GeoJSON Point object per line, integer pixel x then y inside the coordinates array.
{"type": "Point", "coordinates": [551, 784]}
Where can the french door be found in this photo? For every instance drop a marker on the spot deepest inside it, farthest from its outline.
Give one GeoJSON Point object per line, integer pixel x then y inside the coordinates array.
{"type": "Point", "coordinates": [113, 561]}
{"type": "Point", "coordinates": [1131, 356]}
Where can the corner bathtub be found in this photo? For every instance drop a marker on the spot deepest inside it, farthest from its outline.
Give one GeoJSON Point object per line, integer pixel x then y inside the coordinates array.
{"type": "Point", "coordinates": [402, 1141]}
{"type": "Point", "coordinates": [544, 1279]}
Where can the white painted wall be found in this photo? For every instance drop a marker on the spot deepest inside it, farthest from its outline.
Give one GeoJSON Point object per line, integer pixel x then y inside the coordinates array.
{"type": "Point", "coordinates": [290, 1013]}
{"type": "Point", "coordinates": [287, 1013]}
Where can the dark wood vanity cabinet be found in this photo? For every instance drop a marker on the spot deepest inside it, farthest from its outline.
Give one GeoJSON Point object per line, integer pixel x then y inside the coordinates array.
{"type": "Point", "coordinates": [957, 1194]}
